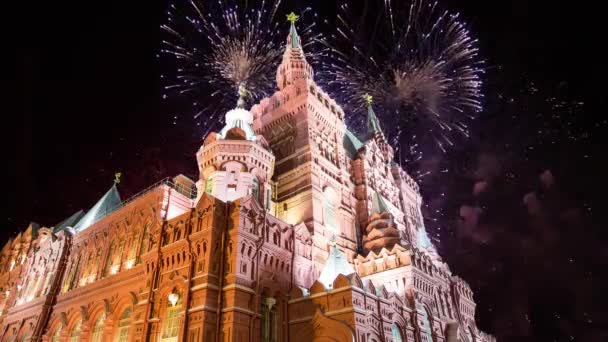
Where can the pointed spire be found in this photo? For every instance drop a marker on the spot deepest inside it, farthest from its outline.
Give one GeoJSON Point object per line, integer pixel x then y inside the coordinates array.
{"type": "Point", "coordinates": [293, 39]}
{"type": "Point", "coordinates": [373, 125]}
{"type": "Point", "coordinates": [294, 67]}
{"type": "Point", "coordinates": [105, 205]}
{"type": "Point", "coordinates": [336, 264]}
{"type": "Point", "coordinates": [378, 204]}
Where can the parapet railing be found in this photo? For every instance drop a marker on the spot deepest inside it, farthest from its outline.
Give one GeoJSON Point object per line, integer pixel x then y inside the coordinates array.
{"type": "Point", "coordinates": [188, 191]}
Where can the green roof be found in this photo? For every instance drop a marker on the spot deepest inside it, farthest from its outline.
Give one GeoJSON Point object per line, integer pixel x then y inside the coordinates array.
{"type": "Point", "coordinates": [293, 37]}
{"type": "Point", "coordinates": [351, 143]}
{"type": "Point", "coordinates": [107, 204]}
{"type": "Point", "coordinates": [378, 203]}
{"type": "Point", "coordinates": [336, 264]}
{"type": "Point", "coordinates": [69, 222]}
{"type": "Point", "coordinates": [373, 125]}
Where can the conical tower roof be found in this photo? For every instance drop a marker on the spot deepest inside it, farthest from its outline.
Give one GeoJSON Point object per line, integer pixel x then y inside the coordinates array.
{"type": "Point", "coordinates": [293, 40]}
{"type": "Point", "coordinates": [373, 124]}
{"type": "Point", "coordinates": [378, 204]}
{"type": "Point", "coordinates": [336, 264]}
{"type": "Point", "coordinates": [105, 205]}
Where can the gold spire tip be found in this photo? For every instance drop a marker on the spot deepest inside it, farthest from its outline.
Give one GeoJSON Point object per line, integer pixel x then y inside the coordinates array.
{"type": "Point", "coordinates": [292, 17]}
{"type": "Point", "coordinates": [368, 99]}
{"type": "Point", "coordinates": [242, 91]}
{"type": "Point", "coordinates": [117, 177]}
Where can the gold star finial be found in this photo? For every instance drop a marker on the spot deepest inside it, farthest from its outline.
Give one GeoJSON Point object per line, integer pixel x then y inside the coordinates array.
{"type": "Point", "coordinates": [117, 177]}
{"type": "Point", "coordinates": [292, 17]}
{"type": "Point", "coordinates": [368, 99]}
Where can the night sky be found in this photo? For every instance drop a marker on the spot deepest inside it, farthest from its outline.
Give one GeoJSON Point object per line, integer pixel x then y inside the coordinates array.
{"type": "Point", "coordinates": [519, 214]}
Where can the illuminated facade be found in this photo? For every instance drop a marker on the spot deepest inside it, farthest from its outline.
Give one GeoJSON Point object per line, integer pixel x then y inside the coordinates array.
{"type": "Point", "coordinates": [297, 230]}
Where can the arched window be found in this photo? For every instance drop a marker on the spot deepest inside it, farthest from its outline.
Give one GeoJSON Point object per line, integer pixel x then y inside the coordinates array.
{"type": "Point", "coordinates": [255, 190]}
{"type": "Point", "coordinates": [267, 199]}
{"type": "Point", "coordinates": [329, 210]}
{"type": "Point", "coordinates": [109, 258]}
{"type": "Point", "coordinates": [74, 277]}
{"type": "Point", "coordinates": [397, 337]}
{"type": "Point", "coordinates": [133, 250]}
{"type": "Point", "coordinates": [447, 304]}
{"type": "Point", "coordinates": [97, 333]}
{"type": "Point", "coordinates": [32, 288]}
{"type": "Point", "coordinates": [427, 335]}
{"type": "Point", "coordinates": [88, 268]}
{"type": "Point", "coordinates": [96, 266]}
{"type": "Point", "coordinates": [143, 246]}
{"type": "Point", "coordinates": [209, 186]}
{"type": "Point", "coordinates": [75, 334]}
{"type": "Point", "coordinates": [268, 323]}
{"type": "Point", "coordinates": [171, 321]}
{"type": "Point", "coordinates": [119, 257]}
{"type": "Point", "coordinates": [124, 322]}
{"type": "Point", "coordinates": [57, 335]}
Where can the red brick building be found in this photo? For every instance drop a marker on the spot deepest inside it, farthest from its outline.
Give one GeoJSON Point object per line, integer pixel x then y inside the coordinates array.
{"type": "Point", "coordinates": [296, 230]}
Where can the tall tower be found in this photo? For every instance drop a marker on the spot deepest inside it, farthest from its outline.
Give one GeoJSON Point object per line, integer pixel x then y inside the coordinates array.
{"type": "Point", "coordinates": [305, 129]}
{"type": "Point", "coordinates": [379, 208]}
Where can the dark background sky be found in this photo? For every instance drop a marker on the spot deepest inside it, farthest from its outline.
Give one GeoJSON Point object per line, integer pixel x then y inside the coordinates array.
{"type": "Point", "coordinates": [82, 101]}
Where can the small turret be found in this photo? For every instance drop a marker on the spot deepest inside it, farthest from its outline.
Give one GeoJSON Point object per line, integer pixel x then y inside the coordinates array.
{"type": "Point", "coordinates": [236, 162]}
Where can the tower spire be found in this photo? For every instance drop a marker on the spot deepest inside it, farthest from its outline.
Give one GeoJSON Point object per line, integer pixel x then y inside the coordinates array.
{"type": "Point", "coordinates": [294, 67]}
{"type": "Point", "coordinates": [373, 124]}
{"type": "Point", "coordinates": [293, 40]}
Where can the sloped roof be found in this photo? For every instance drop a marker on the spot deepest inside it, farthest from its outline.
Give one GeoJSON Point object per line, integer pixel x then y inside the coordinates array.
{"type": "Point", "coordinates": [336, 264]}
{"type": "Point", "coordinates": [351, 143]}
{"type": "Point", "coordinates": [373, 125]}
{"type": "Point", "coordinates": [105, 205]}
{"type": "Point", "coordinates": [69, 222]}
{"type": "Point", "coordinates": [294, 39]}
{"type": "Point", "coordinates": [378, 203]}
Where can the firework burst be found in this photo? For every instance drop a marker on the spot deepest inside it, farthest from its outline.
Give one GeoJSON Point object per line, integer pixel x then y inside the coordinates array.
{"type": "Point", "coordinates": [419, 63]}
{"type": "Point", "coordinates": [215, 48]}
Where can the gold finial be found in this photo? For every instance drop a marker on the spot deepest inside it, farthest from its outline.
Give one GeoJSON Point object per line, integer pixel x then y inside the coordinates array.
{"type": "Point", "coordinates": [117, 177]}
{"type": "Point", "coordinates": [243, 93]}
{"type": "Point", "coordinates": [368, 99]}
{"type": "Point", "coordinates": [292, 17]}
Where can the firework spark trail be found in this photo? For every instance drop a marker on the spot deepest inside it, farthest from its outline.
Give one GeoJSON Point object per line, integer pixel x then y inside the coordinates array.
{"type": "Point", "coordinates": [216, 47]}
{"type": "Point", "coordinates": [422, 67]}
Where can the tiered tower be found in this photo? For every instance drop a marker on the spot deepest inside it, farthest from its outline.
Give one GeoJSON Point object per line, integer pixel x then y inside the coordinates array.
{"type": "Point", "coordinates": [305, 129]}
